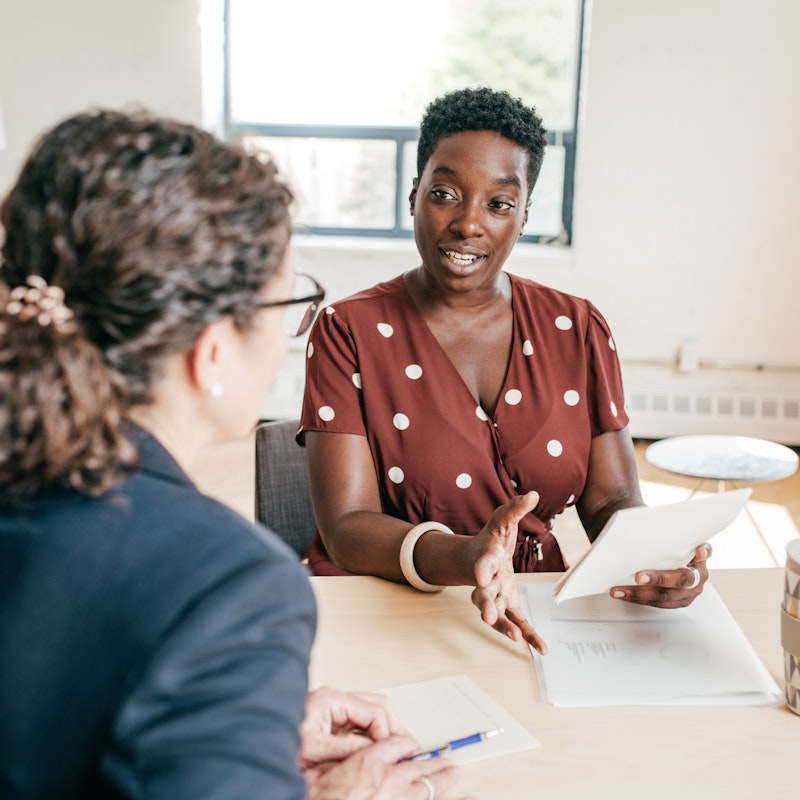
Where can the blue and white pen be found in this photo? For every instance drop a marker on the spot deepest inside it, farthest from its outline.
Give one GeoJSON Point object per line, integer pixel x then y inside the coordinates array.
{"type": "Point", "coordinates": [454, 745]}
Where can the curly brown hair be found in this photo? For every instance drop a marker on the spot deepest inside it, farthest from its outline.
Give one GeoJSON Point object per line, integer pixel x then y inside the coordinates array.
{"type": "Point", "coordinates": [483, 109]}
{"type": "Point", "coordinates": [153, 229]}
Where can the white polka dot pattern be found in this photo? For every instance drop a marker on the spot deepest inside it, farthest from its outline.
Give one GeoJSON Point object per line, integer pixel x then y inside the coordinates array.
{"type": "Point", "coordinates": [464, 481]}
{"type": "Point", "coordinates": [400, 421]}
{"type": "Point", "coordinates": [563, 323]}
{"type": "Point", "coordinates": [547, 378]}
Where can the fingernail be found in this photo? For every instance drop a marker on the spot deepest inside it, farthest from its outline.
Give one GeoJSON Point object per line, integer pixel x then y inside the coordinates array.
{"type": "Point", "coordinates": [618, 593]}
{"type": "Point", "coordinates": [644, 578]}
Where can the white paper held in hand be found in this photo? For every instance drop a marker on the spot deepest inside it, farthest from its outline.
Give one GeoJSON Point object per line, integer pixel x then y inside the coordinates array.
{"type": "Point", "coordinates": [648, 538]}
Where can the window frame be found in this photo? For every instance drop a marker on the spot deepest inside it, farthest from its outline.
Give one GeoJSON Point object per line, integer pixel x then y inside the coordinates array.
{"type": "Point", "coordinates": [401, 135]}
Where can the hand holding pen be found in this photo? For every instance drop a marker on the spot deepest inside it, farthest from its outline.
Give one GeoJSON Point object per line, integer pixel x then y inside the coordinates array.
{"type": "Point", "coordinates": [455, 744]}
{"type": "Point", "coordinates": [351, 746]}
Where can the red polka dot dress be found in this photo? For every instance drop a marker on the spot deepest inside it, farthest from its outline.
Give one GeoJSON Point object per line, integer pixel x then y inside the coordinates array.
{"type": "Point", "coordinates": [374, 369]}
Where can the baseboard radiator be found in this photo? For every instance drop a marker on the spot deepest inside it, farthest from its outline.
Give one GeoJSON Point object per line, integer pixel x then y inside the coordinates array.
{"type": "Point", "coordinates": [658, 412]}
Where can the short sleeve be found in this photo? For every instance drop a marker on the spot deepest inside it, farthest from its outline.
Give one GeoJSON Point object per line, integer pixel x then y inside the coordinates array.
{"type": "Point", "coordinates": [604, 378]}
{"type": "Point", "coordinates": [332, 400]}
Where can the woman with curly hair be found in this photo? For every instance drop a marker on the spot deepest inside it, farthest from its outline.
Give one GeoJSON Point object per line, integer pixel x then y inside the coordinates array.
{"type": "Point", "coordinates": [451, 413]}
{"type": "Point", "coordinates": [152, 642]}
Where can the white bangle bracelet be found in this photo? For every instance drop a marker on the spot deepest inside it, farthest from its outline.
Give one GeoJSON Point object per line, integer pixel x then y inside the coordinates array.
{"type": "Point", "coordinates": [407, 555]}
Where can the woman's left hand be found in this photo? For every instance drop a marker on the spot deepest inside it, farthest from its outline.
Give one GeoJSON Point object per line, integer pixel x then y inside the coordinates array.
{"type": "Point", "coordinates": [669, 588]}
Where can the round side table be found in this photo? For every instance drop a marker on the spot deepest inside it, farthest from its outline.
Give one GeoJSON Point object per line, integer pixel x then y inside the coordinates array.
{"type": "Point", "coordinates": [725, 459]}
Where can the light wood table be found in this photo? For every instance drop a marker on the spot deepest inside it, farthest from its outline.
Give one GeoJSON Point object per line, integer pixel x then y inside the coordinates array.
{"type": "Point", "coordinates": [374, 634]}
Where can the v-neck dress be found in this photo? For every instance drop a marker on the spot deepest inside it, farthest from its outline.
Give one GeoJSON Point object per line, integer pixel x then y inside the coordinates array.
{"type": "Point", "coordinates": [374, 369]}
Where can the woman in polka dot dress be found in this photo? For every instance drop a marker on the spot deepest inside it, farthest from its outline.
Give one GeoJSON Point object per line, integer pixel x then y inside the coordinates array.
{"type": "Point", "coordinates": [461, 399]}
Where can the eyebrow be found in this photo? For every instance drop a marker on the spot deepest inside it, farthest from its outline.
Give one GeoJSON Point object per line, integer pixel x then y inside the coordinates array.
{"type": "Point", "coordinates": [512, 180]}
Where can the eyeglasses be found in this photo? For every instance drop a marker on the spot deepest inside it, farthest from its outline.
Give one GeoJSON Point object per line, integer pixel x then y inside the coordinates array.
{"type": "Point", "coordinates": [301, 309]}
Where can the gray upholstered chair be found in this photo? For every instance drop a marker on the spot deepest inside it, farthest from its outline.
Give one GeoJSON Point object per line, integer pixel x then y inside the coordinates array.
{"type": "Point", "coordinates": [283, 502]}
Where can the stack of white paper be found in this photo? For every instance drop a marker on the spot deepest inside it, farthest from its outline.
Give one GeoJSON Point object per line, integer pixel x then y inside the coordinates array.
{"type": "Point", "coordinates": [606, 652]}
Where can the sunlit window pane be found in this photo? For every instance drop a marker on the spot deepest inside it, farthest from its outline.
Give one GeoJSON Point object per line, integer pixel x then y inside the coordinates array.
{"type": "Point", "coordinates": [360, 62]}
{"type": "Point", "coordinates": [333, 89]}
{"type": "Point", "coordinates": [409, 173]}
{"type": "Point", "coordinates": [544, 217]}
{"type": "Point", "coordinates": [356, 188]}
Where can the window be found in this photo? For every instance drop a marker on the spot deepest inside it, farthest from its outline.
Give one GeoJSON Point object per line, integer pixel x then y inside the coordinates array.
{"type": "Point", "coordinates": [334, 92]}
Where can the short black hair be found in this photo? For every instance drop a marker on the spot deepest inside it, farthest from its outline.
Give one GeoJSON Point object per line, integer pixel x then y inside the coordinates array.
{"type": "Point", "coordinates": [483, 109]}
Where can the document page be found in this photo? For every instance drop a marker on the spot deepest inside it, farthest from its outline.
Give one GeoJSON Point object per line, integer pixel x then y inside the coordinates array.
{"type": "Point", "coordinates": [606, 652]}
{"type": "Point", "coordinates": [648, 537]}
{"type": "Point", "coordinates": [443, 709]}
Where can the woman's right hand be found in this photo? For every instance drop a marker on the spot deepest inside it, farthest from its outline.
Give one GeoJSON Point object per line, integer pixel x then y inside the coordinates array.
{"type": "Point", "coordinates": [496, 594]}
{"type": "Point", "coordinates": [373, 773]}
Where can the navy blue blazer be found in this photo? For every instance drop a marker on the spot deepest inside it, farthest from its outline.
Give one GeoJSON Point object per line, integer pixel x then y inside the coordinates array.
{"type": "Point", "coordinates": [152, 644]}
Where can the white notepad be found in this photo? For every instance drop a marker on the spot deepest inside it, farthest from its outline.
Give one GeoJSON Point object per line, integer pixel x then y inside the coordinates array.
{"type": "Point", "coordinates": [443, 709]}
{"type": "Point", "coordinates": [648, 537]}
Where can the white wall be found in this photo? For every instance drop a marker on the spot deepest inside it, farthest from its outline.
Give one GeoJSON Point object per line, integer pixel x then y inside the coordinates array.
{"type": "Point", "coordinates": [686, 214]}
{"type": "Point", "coordinates": [688, 176]}
{"type": "Point", "coordinates": [688, 167]}
{"type": "Point", "coordinates": [59, 57]}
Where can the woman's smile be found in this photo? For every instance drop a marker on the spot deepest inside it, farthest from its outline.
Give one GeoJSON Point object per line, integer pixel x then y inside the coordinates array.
{"type": "Point", "coordinates": [463, 261]}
